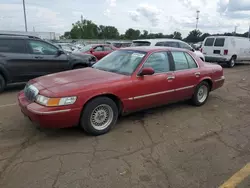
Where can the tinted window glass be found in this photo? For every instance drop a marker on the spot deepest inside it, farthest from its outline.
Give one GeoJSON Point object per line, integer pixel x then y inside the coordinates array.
{"type": "Point", "coordinates": [185, 46]}
{"type": "Point", "coordinates": [40, 47]}
{"type": "Point", "coordinates": [158, 61]}
{"type": "Point", "coordinates": [180, 60]}
{"type": "Point", "coordinates": [107, 48]}
{"type": "Point", "coordinates": [140, 43]}
{"type": "Point", "coordinates": [219, 42]}
{"type": "Point", "coordinates": [98, 49]}
{"type": "Point", "coordinates": [171, 44]}
{"type": "Point", "coordinates": [209, 42]}
{"type": "Point", "coordinates": [159, 44]}
{"type": "Point", "coordinates": [191, 62]}
{"type": "Point", "coordinates": [12, 46]}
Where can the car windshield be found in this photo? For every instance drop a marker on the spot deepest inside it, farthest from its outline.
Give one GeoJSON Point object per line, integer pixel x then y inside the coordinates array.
{"type": "Point", "coordinates": [121, 61]}
{"type": "Point", "coordinates": [85, 48]}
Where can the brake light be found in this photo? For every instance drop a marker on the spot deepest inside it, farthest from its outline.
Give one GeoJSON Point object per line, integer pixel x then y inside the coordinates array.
{"type": "Point", "coordinates": [225, 52]}
{"type": "Point", "coordinates": [201, 49]}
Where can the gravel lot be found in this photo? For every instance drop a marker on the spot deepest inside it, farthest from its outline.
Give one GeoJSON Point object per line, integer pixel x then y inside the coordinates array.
{"type": "Point", "coordinates": [174, 146]}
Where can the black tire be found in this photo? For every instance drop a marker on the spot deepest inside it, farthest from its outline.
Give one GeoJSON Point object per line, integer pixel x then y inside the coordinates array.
{"type": "Point", "coordinates": [231, 63]}
{"type": "Point", "coordinates": [85, 121]}
{"type": "Point", "coordinates": [2, 83]}
{"type": "Point", "coordinates": [79, 67]}
{"type": "Point", "coordinates": [195, 99]}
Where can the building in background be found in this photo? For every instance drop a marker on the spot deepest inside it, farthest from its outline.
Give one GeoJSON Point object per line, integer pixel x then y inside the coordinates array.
{"type": "Point", "coordinates": [42, 35]}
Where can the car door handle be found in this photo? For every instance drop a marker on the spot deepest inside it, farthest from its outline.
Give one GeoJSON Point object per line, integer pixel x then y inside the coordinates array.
{"type": "Point", "coordinates": [197, 74]}
{"type": "Point", "coordinates": [171, 77]}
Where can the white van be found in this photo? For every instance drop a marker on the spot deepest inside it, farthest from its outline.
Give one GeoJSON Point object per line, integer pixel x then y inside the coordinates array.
{"type": "Point", "coordinates": [168, 43]}
{"type": "Point", "coordinates": [226, 49]}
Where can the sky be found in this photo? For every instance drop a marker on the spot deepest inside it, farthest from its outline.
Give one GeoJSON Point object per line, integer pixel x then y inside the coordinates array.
{"type": "Point", "coordinates": [166, 16]}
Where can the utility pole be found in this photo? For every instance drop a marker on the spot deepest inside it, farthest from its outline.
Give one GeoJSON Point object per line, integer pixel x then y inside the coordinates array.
{"type": "Point", "coordinates": [197, 19]}
{"type": "Point", "coordinates": [24, 12]}
{"type": "Point", "coordinates": [235, 29]}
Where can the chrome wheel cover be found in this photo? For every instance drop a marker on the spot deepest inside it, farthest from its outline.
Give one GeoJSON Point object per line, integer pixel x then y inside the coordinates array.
{"type": "Point", "coordinates": [202, 93]}
{"type": "Point", "coordinates": [101, 117]}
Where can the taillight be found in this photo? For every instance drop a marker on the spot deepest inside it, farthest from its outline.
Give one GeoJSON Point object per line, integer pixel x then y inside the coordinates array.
{"type": "Point", "coordinates": [201, 49]}
{"type": "Point", "coordinates": [225, 52]}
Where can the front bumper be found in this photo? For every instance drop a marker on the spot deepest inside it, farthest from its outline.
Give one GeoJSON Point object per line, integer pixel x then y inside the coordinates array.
{"type": "Point", "coordinates": [215, 59]}
{"type": "Point", "coordinates": [49, 117]}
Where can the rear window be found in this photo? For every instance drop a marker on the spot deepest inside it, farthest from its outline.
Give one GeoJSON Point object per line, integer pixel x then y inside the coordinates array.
{"type": "Point", "coordinates": [12, 45]}
{"type": "Point", "coordinates": [209, 42]}
{"type": "Point", "coordinates": [141, 43]}
{"type": "Point", "coordinates": [219, 42]}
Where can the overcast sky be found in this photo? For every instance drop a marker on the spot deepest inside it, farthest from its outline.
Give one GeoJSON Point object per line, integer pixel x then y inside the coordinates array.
{"type": "Point", "coordinates": [165, 16]}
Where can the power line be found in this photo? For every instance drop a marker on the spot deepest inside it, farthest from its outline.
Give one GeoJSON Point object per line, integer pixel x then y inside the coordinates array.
{"type": "Point", "coordinates": [25, 19]}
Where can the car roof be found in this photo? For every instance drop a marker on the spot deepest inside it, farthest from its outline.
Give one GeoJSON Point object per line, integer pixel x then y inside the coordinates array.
{"type": "Point", "coordinates": [153, 48]}
{"type": "Point", "coordinates": [17, 36]}
{"type": "Point", "coordinates": [158, 40]}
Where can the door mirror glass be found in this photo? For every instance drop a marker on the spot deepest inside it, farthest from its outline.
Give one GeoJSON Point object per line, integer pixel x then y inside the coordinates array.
{"type": "Point", "coordinates": [60, 52]}
{"type": "Point", "coordinates": [146, 71]}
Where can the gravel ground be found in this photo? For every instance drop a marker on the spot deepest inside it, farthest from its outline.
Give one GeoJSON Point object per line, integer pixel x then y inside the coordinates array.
{"type": "Point", "coordinates": [175, 146]}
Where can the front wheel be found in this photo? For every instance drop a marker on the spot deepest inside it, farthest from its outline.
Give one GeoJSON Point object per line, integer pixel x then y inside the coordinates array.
{"type": "Point", "coordinates": [99, 116]}
{"type": "Point", "coordinates": [201, 94]}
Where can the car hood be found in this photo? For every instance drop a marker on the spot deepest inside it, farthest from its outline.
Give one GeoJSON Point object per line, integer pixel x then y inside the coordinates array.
{"type": "Point", "coordinates": [76, 79]}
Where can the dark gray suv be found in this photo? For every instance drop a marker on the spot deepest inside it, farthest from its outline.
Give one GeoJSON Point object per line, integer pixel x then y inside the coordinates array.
{"type": "Point", "coordinates": [24, 57]}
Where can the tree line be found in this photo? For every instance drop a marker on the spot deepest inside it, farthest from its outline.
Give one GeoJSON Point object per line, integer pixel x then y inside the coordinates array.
{"type": "Point", "coordinates": [86, 29]}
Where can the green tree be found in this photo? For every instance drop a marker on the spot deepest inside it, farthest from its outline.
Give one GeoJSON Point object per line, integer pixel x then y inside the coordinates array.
{"type": "Point", "coordinates": [84, 29]}
{"type": "Point", "coordinates": [108, 32]}
{"type": "Point", "coordinates": [177, 35]}
{"type": "Point", "coordinates": [193, 36]}
{"type": "Point", "coordinates": [132, 34]}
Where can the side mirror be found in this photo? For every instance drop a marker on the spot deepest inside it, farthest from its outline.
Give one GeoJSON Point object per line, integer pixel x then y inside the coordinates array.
{"type": "Point", "coordinates": [60, 52]}
{"type": "Point", "coordinates": [146, 71]}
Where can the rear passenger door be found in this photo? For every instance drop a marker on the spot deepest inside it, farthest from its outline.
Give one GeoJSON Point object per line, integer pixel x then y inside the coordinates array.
{"type": "Point", "coordinates": [187, 74]}
{"type": "Point", "coordinates": [14, 58]}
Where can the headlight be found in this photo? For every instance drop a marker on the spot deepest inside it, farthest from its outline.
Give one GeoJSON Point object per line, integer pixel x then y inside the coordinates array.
{"type": "Point", "coordinates": [46, 101]}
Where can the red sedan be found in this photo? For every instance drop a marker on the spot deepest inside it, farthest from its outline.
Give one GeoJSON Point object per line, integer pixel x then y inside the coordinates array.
{"type": "Point", "coordinates": [98, 50]}
{"type": "Point", "coordinates": [127, 80]}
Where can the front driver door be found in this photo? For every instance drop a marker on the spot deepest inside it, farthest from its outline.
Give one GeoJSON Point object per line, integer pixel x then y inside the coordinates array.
{"type": "Point", "coordinates": [46, 59]}
{"type": "Point", "coordinates": [153, 90]}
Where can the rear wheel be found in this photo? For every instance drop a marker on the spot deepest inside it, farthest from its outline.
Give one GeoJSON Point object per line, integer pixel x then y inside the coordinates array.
{"type": "Point", "coordinates": [231, 63]}
{"type": "Point", "coordinates": [201, 94]}
{"type": "Point", "coordinates": [99, 116]}
{"type": "Point", "coordinates": [2, 83]}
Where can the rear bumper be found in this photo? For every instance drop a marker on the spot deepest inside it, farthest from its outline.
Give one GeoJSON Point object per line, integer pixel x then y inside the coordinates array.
{"type": "Point", "coordinates": [218, 83]}
{"type": "Point", "coordinates": [215, 59]}
{"type": "Point", "coordinates": [49, 117]}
